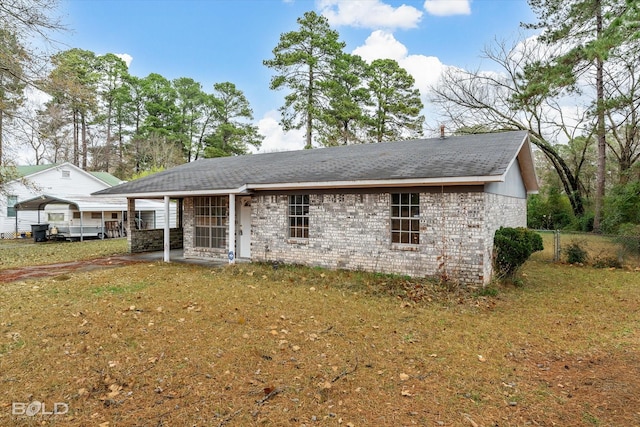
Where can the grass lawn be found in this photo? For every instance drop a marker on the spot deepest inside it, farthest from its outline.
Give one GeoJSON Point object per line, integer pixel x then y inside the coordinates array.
{"type": "Point", "coordinates": [24, 252]}
{"type": "Point", "coordinates": [175, 344]}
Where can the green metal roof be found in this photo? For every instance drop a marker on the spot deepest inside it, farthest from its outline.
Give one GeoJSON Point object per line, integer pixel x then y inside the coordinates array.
{"type": "Point", "coordinates": [29, 170]}
{"type": "Point", "coordinates": [107, 178]}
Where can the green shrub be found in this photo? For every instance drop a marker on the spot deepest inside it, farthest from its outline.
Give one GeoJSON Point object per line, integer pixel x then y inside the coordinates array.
{"type": "Point", "coordinates": [575, 252]}
{"type": "Point", "coordinates": [486, 291]}
{"type": "Point", "coordinates": [603, 261]}
{"type": "Point", "coordinates": [512, 247]}
{"type": "Point", "coordinates": [582, 223]}
{"type": "Point", "coordinates": [550, 210]}
{"type": "Point", "coordinates": [621, 207]}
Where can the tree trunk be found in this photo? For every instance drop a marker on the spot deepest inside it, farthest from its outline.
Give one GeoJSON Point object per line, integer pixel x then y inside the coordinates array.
{"type": "Point", "coordinates": [309, 144]}
{"type": "Point", "coordinates": [602, 143]}
{"type": "Point", "coordinates": [84, 141]}
{"type": "Point", "coordinates": [108, 142]}
{"type": "Point", "coordinates": [76, 137]}
{"type": "Point", "coordinates": [1, 122]}
{"type": "Point", "coordinates": [570, 182]}
{"type": "Point", "coordinates": [120, 146]}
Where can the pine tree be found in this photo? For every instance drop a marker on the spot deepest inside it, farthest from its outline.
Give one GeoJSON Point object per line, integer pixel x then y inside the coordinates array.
{"type": "Point", "coordinates": [591, 30]}
{"type": "Point", "coordinates": [302, 60]}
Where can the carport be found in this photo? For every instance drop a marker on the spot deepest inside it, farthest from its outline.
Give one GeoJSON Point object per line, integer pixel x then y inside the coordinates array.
{"type": "Point", "coordinates": [82, 204]}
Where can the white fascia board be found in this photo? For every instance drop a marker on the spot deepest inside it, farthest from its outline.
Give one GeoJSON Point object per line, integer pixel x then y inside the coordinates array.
{"type": "Point", "coordinates": [515, 158]}
{"type": "Point", "coordinates": [527, 168]}
{"type": "Point", "coordinates": [415, 182]}
{"type": "Point", "coordinates": [372, 183]}
{"type": "Point", "coordinates": [178, 194]}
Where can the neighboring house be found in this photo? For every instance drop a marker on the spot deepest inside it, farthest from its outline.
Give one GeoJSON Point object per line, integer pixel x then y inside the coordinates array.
{"type": "Point", "coordinates": [421, 208]}
{"type": "Point", "coordinates": [44, 192]}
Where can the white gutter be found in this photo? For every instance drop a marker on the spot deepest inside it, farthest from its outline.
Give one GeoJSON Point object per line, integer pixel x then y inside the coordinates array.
{"type": "Point", "coordinates": [426, 182]}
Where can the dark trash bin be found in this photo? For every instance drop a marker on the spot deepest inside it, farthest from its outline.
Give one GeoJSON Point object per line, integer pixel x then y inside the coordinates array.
{"type": "Point", "coordinates": [39, 232]}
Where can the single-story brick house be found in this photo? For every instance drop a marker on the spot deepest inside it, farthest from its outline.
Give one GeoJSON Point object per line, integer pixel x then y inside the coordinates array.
{"type": "Point", "coordinates": [423, 208]}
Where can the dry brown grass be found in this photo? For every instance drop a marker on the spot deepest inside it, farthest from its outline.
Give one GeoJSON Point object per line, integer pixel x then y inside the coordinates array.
{"type": "Point", "coordinates": [156, 344]}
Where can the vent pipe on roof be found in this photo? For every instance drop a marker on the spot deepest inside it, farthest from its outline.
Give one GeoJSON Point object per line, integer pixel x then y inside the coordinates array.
{"type": "Point", "coordinates": [442, 132]}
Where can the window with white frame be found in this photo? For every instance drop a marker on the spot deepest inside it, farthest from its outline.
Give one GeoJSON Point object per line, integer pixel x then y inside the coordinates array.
{"type": "Point", "coordinates": [11, 210]}
{"type": "Point", "coordinates": [299, 216]}
{"type": "Point", "coordinates": [405, 218]}
{"type": "Point", "coordinates": [55, 217]}
{"type": "Point", "coordinates": [210, 219]}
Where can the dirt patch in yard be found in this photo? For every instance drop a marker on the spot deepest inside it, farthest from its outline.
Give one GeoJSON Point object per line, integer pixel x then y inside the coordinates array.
{"type": "Point", "coordinates": [62, 269]}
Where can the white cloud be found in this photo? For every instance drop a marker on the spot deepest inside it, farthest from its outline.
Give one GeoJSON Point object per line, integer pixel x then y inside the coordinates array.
{"type": "Point", "coordinates": [125, 57]}
{"type": "Point", "coordinates": [448, 7]}
{"type": "Point", "coordinates": [275, 139]}
{"type": "Point", "coordinates": [381, 44]}
{"type": "Point", "coordinates": [36, 98]}
{"type": "Point", "coordinates": [425, 70]}
{"type": "Point", "coordinates": [369, 14]}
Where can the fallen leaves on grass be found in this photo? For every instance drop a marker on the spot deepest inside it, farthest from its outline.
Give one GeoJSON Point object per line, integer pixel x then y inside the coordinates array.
{"type": "Point", "coordinates": [200, 347]}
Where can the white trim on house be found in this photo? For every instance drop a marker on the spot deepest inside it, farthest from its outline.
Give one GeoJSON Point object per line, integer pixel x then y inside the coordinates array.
{"type": "Point", "coordinates": [246, 189]}
{"type": "Point", "coordinates": [415, 182]}
{"type": "Point", "coordinates": [525, 163]}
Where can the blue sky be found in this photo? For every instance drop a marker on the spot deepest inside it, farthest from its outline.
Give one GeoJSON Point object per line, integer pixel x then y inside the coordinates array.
{"type": "Point", "coordinates": [215, 41]}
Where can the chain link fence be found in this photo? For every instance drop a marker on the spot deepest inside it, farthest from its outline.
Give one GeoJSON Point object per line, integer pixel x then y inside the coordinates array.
{"type": "Point", "coordinates": [599, 250]}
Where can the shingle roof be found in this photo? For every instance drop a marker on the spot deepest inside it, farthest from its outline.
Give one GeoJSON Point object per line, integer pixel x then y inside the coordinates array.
{"type": "Point", "coordinates": [484, 155]}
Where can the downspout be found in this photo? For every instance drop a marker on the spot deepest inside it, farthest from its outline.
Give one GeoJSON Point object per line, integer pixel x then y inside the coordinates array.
{"type": "Point", "coordinates": [167, 231]}
{"type": "Point", "coordinates": [232, 228]}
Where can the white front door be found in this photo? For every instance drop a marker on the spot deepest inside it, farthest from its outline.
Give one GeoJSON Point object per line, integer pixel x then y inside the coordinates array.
{"type": "Point", "coordinates": [243, 230]}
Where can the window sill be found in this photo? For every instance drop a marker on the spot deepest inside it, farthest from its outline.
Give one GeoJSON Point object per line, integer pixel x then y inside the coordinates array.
{"type": "Point", "coordinates": [405, 247]}
{"type": "Point", "coordinates": [210, 250]}
{"type": "Point", "coordinates": [297, 241]}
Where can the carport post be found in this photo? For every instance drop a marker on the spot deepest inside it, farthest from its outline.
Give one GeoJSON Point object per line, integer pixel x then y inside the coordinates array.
{"type": "Point", "coordinates": [167, 231]}
{"type": "Point", "coordinates": [81, 225]}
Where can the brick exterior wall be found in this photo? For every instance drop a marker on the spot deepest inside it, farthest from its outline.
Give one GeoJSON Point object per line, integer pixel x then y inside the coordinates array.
{"type": "Point", "coordinates": [501, 211]}
{"type": "Point", "coordinates": [352, 231]}
{"type": "Point", "coordinates": [153, 240]}
{"type": "Point", "coordinates": [149, 240]}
